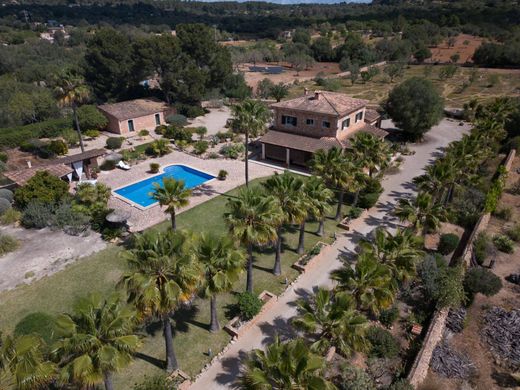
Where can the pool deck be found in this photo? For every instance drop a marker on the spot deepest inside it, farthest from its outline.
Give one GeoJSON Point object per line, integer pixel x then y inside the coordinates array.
{"type": "Point", "coordinates": [141, 219]}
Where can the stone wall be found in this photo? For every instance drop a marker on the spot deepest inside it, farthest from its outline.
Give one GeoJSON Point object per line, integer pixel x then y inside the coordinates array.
{"type": "Point", "coordinates": [435, 332]}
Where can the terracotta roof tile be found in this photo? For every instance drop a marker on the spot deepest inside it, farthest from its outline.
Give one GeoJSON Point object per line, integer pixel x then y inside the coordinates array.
{"type": "Point", "coordinates": [21, 176]}
{"type": "Point", "coordinates": [299, 142]}
{"type": "Point", "coordinates": [324, 102]}
{"type": "Point", "coordinates": [80, 156]}
{"type": "Point", "coordinates": [134, 108]}
{"type": "Point", "coordinates": [371, 115]}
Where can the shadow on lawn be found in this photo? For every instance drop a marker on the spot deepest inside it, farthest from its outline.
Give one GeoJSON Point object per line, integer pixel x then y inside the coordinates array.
{"type": "Point", "coordinates": [159, 363]}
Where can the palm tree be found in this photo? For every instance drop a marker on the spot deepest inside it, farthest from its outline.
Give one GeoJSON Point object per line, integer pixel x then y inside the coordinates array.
{"type": "Point", "coordinates": [252, 220]}
{"type": "Point", "coordinates": [439, 179]}
{"type": "Point", "coordinates": [320, 198]}
{"type": "Point", "coordinates": [160, 147]}
{"type": "Point", "coordinates": [399, 251]}
{"type": "Point", "coordinates": [250, 117]}
{"type": "Point", "coordinates": [24, 359]}
{"type": "Point", "coordinates": [284, 366]}
{"type": "Point", "coordinates": [171, 194]}
{"type": "Point", "coordinates": [336, 170]}
{"type": "Point", "coordinates": [372, 152]}
{"type": "Point", "coordinates": [71, 91]}
{"type": "Point", "coordinates": [423, 213]}
{"type": "Point", "coordinates": [222, 264]}
{"type": "Point", "coordinates": [369, 282]}
{"type": "Point", "coordinates": [96, 340]}
{"type": "Point", "coordinates": [163, 274]}
{"type": "Point", "coordinates": [332, 319]}
{"type": "Point", "coordinates": [287, 189]}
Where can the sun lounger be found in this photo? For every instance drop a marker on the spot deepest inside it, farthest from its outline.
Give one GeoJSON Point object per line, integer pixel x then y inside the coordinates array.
{"type": "Point", "coordinates": [121, 164]}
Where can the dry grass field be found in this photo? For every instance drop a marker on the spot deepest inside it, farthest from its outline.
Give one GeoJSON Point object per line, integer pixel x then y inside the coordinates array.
{"type": "Point", "coordinates": [464, 45]}
{"type": "Point", "coordinates": [487, 84]}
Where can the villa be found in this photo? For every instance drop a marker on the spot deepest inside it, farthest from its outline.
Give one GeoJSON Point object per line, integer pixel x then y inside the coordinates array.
{"type": "Point", "coordinates": [131, 116]}
{"type": "Point", "coordinates": [322, 120]}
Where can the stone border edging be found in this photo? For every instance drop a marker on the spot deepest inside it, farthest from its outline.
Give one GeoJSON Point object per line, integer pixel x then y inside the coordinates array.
{"type": "Point", "coordinates": [421, 364]}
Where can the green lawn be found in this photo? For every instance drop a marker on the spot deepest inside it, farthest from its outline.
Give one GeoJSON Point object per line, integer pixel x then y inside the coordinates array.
{"type": "Point", "coordinates": [99, 272]}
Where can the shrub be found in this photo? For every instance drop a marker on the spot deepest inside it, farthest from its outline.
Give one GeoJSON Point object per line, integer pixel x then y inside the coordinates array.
{"type": "Point", "coordinates": [178, 133]}
{"type": "Point", "coordinates": [383, 344]}
{"type": "Point", "coordinates": [42, 187]}
{"type": "Point", "coordinates": [201, 132]}
{"type": "Point", "coordinates": [222, 174]}
{"type": "Point", "coordinates": [190, 111]}
{"type": "Point", "coordinates": [481, 280]}
{"type": "Point", "coordinates": [448, 243]}
{"type": "Point", "coordinates": [70, 136]}
{"type": "Point", "coordinates": [368, 200]}
{"type": "Point", "coordinates": [213, 155]}
{"type": "Point", "coordinates": [181, 145]}
{"type": "Point", "coordinates": [232, 151]}
{"type": "Point", "coordinates": [144, 133]}
{"type": "Point", "coordinates": [39, 323]}
{"type": "Point", "coordinates": [389, 316]}
{"type": "Point", "coordinates": [91, 118]}
{"type": "Point", "coordinates": [481, 247]}
{"type": "Point", "coordinates": [14, 136]}
{"type": "Point", "coordinates": [176, 120]}
{"type": "Point", "coordinates": [71, 221]}
{"type": "Point", "coordinates": [154, 167]}
{"type": "Point", "coordinates": [6, 194]}
{"type": "Point", "coordinates": [504, 213]}
{"type": "Point", "coordinates": [4, 206]}
{"type": "Point", "coordinates": [58, 147]}
{"type": "Point", "coordinates": [4, 157]}
{"type": "Point", "coordinates": [158, 382]}
{"type": "Point", "coordinates": [7, 244]}
{"type": "Point", "coordinates": [401, 384]}
{"type": "Point", "coordinates": [159, 130]}
{"type": "Point", "coordinates": [372, 185]}
{"type": "Point", "coordinates": [37, 215]}
{"type": "Point", "coordinates": [354, 212]}
{"type": "Point", "coordinates": [200, 147]}
{"type": "Point", "coordinates": [107, 165]}
{"type": "Point", "coordinates": [158, 148]}
{"type": "Point", "coordinates": [31, 145]}
{"type": "Point", "coordinates": [114, 142]}
{"type": "Point", "coordinates": [92, 133]}
{"type": "Point", "coordinates": [503, 243]}
{"type": "Point", "coordinates": [10, 217]}
{"type": "Point", "coordinates": [353, 378]}
{"type": "Point", "coordinates": [514, 232]}
{"type": "Point", "coordinates": [249, 305]}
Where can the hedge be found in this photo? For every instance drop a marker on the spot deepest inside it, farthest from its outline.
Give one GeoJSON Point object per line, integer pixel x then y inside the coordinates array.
{"type": "Point", "coordinates": [12, 137]}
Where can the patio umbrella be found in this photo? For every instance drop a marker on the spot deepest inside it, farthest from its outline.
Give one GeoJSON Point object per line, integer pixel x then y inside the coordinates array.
{"type": "Point", "coordinates": [116, 157]}
{"type": "Point", "coordinates": [118, 216]}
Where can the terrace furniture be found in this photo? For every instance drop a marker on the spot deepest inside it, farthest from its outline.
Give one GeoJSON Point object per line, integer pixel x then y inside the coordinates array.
{"type": "Point", "coordinates": [124, 166]}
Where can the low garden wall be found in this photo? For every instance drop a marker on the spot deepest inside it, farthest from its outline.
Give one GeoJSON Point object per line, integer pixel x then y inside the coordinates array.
{"type": "Point", "coordinates": [421, 364]}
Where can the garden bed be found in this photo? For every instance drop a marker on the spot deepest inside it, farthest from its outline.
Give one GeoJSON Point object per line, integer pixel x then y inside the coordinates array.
{"type": "Point", "coordinates": [303, 261]}
{"type": "Point", "coordinates": [236, 325]}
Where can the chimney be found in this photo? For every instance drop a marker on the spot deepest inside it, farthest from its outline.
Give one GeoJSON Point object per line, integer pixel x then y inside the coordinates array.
{"type": "Point", "coordinates": [305, 91]}
{"type": "Point", "coordinates": [317, 95]}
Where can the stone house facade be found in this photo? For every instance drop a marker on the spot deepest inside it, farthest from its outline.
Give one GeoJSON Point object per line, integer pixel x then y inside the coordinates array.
{"type": "Point", "coordinates": [321, 120]}
{"type": "Point", "coordinates": [129, 117]}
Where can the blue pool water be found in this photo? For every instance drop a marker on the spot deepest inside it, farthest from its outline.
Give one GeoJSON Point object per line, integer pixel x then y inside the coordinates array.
{"type": "Point", "coordinates": [140, 192]}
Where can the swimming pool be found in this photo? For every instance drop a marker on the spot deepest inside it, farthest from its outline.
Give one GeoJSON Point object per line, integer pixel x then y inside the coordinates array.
{"type": "Point", "coordinates": [139, 193]}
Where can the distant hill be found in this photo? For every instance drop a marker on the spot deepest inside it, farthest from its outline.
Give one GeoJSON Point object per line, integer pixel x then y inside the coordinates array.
{"type": "Point", "coordinates": [294, 1]}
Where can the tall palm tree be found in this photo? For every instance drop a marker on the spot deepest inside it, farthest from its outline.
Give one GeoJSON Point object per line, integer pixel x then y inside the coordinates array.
{"type": "Point", "coordinates": [423, 213]}
{"type": "Point", "coordinates": [71, 91]}
{"type": "Point", "coordinates": [439, 179]}
{"type": "Point", "coordinates": [222, 264]}
{"type": "Point", "coordinates": [369, 282]}
{"type": "Point", "coordinates": [320, 198]}
{"type": "Point", "coordinates": [284, 366]}
{"type": "Point", "coordinates": [163, 274]}
{"type": "Point", "coordinates": [171, 194]}
{"type": "Point", "coordinates": [96, 340]}
{"type": "Point", "coordinates": [25, 361]}
{"type": "Point", "coordinates": [252, 220]}
{"type": "Point", "coordinates": [250, 117]}
{"type": "Point", "coordinates": [332, 319]}
{"type": "Point", "coordinates": [287, 189]}
{"type": "Point", "coordinates": [372, 152]}
{"type": "Point", "coordinates": [336, 170]}
{"type": "Point", "coordinates": [399, 251]}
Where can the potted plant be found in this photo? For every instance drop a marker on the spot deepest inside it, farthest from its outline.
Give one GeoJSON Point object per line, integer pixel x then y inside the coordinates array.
{"type": "Point", "coordinates": [154, 167]}
{"type": "Point", "coordinates": [222, 174]}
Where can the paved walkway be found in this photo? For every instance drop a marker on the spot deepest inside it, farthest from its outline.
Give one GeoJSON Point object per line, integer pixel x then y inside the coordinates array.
{"type": "Point", "coordinates": [276, 320]}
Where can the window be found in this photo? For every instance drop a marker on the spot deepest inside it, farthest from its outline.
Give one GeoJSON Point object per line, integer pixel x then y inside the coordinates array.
{"type": "Point", "coordinates": [345, 123]}
{"type": "Point", "coordinates": [289, 120]}
{"type": "Point", "coordinates": [310, 122]}
{"type": "Point", "coordinates": [326, 124]}
{"type": "Point", "coordinates": [131, 125]}
{"type": "Point", "coordinates": [359, 116]}
{"type": "Point", "coordinates": [157, 119]}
